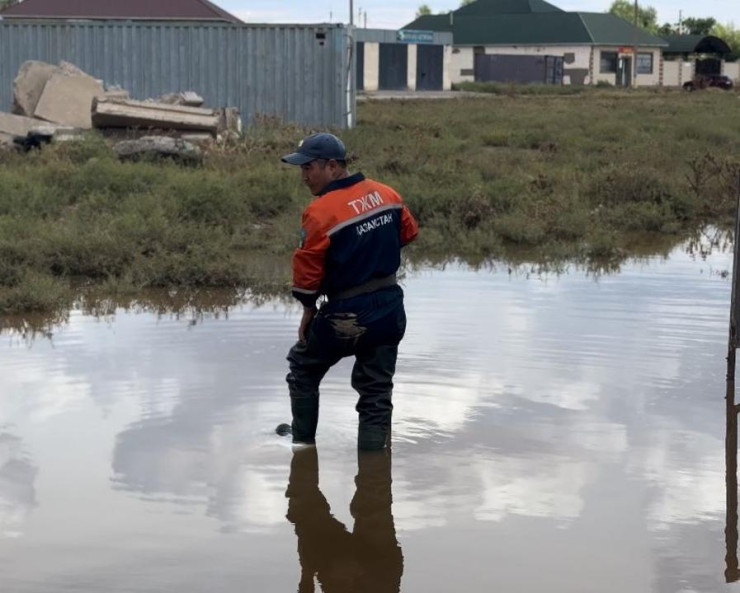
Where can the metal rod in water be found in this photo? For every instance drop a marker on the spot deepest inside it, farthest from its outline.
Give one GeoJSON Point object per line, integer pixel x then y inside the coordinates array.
{"type": "Point", "coordinates": [732, 573]}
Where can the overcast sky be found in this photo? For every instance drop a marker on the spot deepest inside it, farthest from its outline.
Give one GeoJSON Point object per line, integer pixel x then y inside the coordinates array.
{"type": "Point", "coordinates": [393, 14]}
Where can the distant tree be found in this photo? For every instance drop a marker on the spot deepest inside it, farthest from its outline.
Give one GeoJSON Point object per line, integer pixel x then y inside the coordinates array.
{"type": "Point", "coordinates": [423, 10]}
{"type": "Point", "coordinates": [466, 2]}
{"type": "Point", "coordinates": [667, 29]}
{"type": "Point", "coordinates": [696, 26]}
{"type": "Point", "coordinates": [6, 3]}
{"type": "Point", "coordinates": [731, 36]}
{"type": "Point", "coordinates": [647, 16]}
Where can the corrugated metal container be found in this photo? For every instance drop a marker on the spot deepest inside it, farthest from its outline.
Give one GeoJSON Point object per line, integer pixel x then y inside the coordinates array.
{"type": "Point", "coordinates": [296, 72]}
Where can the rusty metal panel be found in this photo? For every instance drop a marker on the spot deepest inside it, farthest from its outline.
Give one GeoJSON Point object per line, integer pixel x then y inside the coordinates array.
{"type": "Point", "coordinates": [296, 72]}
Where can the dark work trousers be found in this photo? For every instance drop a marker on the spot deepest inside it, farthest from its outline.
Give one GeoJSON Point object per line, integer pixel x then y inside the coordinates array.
{"type": "Point", "coordinates": [368, 560]}
{"type": "Point", "coordinates": [368, 327]}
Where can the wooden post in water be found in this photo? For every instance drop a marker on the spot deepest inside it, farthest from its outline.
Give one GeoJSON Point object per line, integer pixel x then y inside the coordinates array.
{"type": "Point", "coordinates": [732, 573]}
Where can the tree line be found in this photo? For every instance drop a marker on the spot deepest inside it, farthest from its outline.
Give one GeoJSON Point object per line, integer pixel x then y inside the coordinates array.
{"type": "Point", "coordinates": [647, 19]}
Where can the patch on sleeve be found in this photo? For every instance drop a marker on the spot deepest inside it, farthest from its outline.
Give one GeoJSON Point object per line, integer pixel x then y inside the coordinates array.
{"type": "Point", "coordinates": [302, 241]}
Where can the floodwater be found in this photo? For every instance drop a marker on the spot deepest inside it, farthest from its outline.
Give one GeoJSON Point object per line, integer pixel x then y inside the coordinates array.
{"type": "Point", "coordinates": [551, 433]}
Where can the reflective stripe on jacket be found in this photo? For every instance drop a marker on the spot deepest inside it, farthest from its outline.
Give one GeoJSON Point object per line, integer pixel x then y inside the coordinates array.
{"type": "Point", "coordinates": [353, 232]}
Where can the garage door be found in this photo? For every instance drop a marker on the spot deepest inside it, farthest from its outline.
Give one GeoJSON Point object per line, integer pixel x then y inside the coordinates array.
{"type": "Point", "coordinates": [519, 69]}
{"type": "Point", "coordinates": [394, 60]}
{"type": "Point", "coordinates": [429, 67]}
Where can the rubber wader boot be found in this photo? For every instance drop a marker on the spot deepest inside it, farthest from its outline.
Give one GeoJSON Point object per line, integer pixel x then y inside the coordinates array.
{"type": "Point", "coordinates": [305, 419]}
{"type": "Point", "coordinates": [373, 438]}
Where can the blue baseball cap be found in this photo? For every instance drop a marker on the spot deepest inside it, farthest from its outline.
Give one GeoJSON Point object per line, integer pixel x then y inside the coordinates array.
{"type": "Point", "coordinates": [317, 146]}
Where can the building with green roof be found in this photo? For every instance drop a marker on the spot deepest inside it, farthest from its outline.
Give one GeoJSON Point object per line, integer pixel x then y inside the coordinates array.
{"type": "Point", "coordinates": [590, 47]}
{"type": "Point", "coordinates": [685, 45]}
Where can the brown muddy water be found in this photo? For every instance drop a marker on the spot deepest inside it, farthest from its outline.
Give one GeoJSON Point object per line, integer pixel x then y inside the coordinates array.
{"type": "Point", "coordinates": [552, 433]}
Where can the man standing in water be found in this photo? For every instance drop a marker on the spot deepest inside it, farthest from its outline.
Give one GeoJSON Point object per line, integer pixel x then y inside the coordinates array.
{"type": "Point", "coordinates": [350, 251]}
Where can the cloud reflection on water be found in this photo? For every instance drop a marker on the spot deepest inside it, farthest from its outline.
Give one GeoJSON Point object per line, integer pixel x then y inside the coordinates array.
{"type": "Point", "coordinates": [17, 491]}
{"type": "Point", "coordinates": [515, 399]}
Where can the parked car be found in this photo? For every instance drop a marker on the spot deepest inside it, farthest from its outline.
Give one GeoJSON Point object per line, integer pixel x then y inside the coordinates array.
{"type": "Point", "coordinates": [709, 80]}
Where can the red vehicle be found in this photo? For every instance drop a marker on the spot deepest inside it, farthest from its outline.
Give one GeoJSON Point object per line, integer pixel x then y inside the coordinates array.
{"type": "Point", "coordinates": [709, 80]}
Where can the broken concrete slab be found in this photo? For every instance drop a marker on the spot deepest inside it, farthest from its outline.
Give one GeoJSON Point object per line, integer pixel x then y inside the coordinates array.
{"type": "Point", "coordinates": [16, 125]}
{"type": "Point", "coordinates": [32, 77]}
{"type": "Point", "coordinates": [28, 86]}
{"type": "Point", "coordinates": [141, 114]}
{"type": "Point", "coordinates": [6, 139]}
{"type": "Point", "coordinates": [158, 147]}
{"type": "Point", "coordinates": [68, 100]}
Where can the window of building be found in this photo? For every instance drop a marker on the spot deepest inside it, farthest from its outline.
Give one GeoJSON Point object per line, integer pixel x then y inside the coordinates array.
{"type": "Point", "coordinates": [645, 63]}
{"type": "Point", "coordinates": [609, 62]}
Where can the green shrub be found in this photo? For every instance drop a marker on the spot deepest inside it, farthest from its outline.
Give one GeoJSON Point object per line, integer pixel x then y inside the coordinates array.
{"type": "Point", "coordinates": [530, 173]}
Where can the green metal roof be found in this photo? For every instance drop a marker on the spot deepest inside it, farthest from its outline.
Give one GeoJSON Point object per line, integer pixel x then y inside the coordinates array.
{"type": "Point", "coordinates": [491, 7]}
{"type": "Point", "coordinates": [431, 22]}
{"type": "Point", "coordinates": [608, 29]}
{"type": "Point", "coordinates": [557, 28]}
{"type": "Point", "coordinates": [695, 44]}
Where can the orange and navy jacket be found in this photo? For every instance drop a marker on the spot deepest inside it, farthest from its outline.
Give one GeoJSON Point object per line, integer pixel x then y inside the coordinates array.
{"type": "Point", "coordinates": [350, 234]}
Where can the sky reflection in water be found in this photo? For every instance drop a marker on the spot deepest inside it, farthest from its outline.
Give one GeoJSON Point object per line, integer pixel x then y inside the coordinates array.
{"type": "Point", "coordinates": [558, 433]}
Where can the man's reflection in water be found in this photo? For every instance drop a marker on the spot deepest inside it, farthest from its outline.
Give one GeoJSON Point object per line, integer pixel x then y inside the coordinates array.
{"type": "Point", "coordinates": [367, 560]}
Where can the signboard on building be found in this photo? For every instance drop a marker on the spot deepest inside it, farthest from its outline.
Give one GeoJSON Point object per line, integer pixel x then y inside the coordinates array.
{"type": "Point", "coordinates": [414, 36]}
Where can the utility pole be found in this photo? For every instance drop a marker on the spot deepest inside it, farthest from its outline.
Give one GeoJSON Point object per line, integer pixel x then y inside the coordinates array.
{"type": "Point", "coordinates": [350, 66]}
{"type": "Point", "coordinates": [634, 50]}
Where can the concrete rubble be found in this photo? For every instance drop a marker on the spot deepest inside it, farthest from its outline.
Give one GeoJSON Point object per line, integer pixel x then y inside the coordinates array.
{"type": "Point", "coordinates": [229, 123]}
{"type": "Point", "coordinates": [158, 147]}
{"type": "Point", "coordinates": [116, 92]}
{"type": "Point", "coordinates": [58, 102]}
{"type": "Point", "coordinates": [187, 98]}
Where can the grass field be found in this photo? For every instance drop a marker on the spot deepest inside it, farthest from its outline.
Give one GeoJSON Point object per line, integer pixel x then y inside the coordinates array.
{"type": "Point", "coordinates": [512, 176]}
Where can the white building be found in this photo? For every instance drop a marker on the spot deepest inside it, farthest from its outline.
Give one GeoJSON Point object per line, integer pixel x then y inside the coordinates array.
{"type": "Point", "coordinates": [534, 41]}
